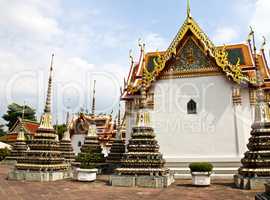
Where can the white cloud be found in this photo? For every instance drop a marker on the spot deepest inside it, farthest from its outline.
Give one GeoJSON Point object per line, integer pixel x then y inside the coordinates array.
{"type": "Point", "coordinates": [260, 19]}
{"type": "Point", "coordinates": [29, 18]}
{"type": "Point", "coordinates": [155, 42]}
{"type": "Point", "coordinates": [224, 35]}
{"type": "Point", "coordinates": [30, 31]}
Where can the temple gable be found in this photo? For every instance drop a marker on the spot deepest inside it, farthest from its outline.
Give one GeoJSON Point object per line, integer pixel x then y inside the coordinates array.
{"type": "Point", "coordinates": [190, 57]}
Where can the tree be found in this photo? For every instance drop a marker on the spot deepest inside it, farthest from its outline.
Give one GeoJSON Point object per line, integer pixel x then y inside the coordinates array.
{"type": "Point", "coordinates": [60, 129]}
{"type": "Point", "coordinates": [15, 111]}
{"type": "Point", "coordinates": [2, 131]}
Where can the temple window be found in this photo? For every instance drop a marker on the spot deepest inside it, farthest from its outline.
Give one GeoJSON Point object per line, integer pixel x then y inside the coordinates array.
{"type": "Point", "coordinates": [192, 107]}
{"type": "Point", "coordinates": [79, 144]}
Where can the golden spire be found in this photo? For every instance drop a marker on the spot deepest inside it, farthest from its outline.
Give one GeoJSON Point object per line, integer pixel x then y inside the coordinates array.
{"type": "Point", "coordinates": [188, 9]}
{"type": "Point", "coordinates": [46, 118]}
{"type": "Point", "coordinates": [94, 99]}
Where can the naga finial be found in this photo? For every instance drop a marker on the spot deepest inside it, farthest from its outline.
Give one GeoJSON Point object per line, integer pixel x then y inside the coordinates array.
{"type": "Point", "coordinates": [264, 43]}
{"type": "Point", "coordinates": [252, 37]}
{"type": "Point", "coordinates": [131, 56]}
{"type": "Point", "coordinates": [141, 44]}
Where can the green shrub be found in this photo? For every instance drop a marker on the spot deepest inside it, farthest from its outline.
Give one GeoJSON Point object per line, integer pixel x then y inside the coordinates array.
{"type": "Point", "coordinates": [201, 167]}
{"type": "Point", "coordinates": [4, 153]}
{"type": "Point", "coordinates": [88, 160]}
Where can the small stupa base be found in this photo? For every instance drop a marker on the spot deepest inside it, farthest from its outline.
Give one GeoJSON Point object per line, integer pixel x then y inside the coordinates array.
{"type": "Point", "coordinates": [254, 183]}
{"type": "Point", "coordinates": [142, 181]}
{"type": "Point", "coordinates": [265, 195]}
{"type": "Point", "coordinates": [8, 162]}
{"type": "Point", "coordinates": [20, 175]}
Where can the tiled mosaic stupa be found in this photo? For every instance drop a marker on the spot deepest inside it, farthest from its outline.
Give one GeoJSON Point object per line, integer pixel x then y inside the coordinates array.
{"type": "Point", "coordinates": [255, 169]}
{"type": "Point", "coordinates": [66, 147]}
{"type": "Point", "coordinates": [44, 161]}
{"type": "Point", "coordinates": [143, 164]}
{"type": "Point", "coordinates": [19, 148]}
{"type": "Point", "coordinates": [118, 147]}
{"type": "Point", "coordinates": [91, 145]}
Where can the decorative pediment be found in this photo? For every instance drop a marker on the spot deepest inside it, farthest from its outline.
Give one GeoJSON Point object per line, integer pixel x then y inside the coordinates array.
{"type": "Point", "coordinates": [218, 55]}
{"type": "Point", "coordinates": [190, 57]}
{"type": "Point", "coordinates": [197, 55]}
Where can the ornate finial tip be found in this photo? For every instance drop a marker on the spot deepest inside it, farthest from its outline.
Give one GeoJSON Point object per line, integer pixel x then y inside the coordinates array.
{"type": "Point", "coordinates": [188, 9]}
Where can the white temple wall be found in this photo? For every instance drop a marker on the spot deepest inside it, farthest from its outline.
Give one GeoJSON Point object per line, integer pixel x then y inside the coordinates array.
{"type": "Point", "coordinates": [209, 135]}
{"type": "Point", "coordinates": [75, 140]}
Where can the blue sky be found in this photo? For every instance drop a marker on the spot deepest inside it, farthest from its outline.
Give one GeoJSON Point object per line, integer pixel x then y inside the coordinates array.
{"type": "Point", "coordinates": [91, 40]}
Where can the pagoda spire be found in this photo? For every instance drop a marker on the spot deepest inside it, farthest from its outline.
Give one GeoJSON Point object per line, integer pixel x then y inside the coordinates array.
{"type": "Point", "coordinates": [46, 118]}
{"type": "Point", "coordinates": [118, 128]}
{"type": "Point", "coordinates": [94, 99]}
{"type": "Point", "coordinates": [20, 136]}
{"type": "Point", "coordinates": [49, 91]}
{"type": "Point", "coordinates": [188, 9]}
{"type": "Point", "coordinates": [256, 160]}
{"type": "Point", "coordinates": [261, 109]}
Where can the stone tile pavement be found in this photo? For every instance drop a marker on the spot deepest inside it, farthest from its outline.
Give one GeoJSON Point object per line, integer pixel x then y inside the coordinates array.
{"type": "Point", "coordinates": [100, 190]}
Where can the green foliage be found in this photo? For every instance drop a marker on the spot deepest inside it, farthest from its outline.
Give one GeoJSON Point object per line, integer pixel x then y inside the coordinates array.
{"type": "Point", "coordinates": [88, 159]}
{"type": "Point", "coordinates": [4, 153]}
{"type": "Point", "coordinates": [2, 131]}
{"type": "Point", "coordinates": [201, 167]}
{"type": "Point", "coordinates": [60, 130]}
{"type": "Point", "coordinates": [15, 111]}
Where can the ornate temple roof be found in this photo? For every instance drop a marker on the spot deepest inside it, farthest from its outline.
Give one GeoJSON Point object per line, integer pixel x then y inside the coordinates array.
{"type": "Point", "coordinates": [104, 123]}
{"type": "Point", "coordinates": [29, 128]}
{"type": "Point", "coordinates": [234, 60]}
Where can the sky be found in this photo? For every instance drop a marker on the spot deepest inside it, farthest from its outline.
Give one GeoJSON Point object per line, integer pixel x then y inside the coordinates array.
{"type": "Point", "coordinates": [91, 41]}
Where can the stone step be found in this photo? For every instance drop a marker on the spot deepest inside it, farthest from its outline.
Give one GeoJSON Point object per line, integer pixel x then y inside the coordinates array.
{"type": "Point", "coordinates": [217, 170]}
{"type": "Point", "coordinates": [213, 176]}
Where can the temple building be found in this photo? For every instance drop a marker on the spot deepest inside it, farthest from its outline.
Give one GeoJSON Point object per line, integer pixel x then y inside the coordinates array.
{"type": "Point", "coordinates": [27, 126]}
{"type": "Point", "coordinates": [201, 98]}
{"type": "Point", "coordinates": [80, 125]}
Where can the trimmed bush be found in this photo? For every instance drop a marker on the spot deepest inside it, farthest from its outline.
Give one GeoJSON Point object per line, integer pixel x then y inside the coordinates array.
{"type": "Point", "coordinates": [4, 153]}
{"type": "Point", "coordinates": [201, 167]}
{"type": "Point", "coordinates": [88, 160]}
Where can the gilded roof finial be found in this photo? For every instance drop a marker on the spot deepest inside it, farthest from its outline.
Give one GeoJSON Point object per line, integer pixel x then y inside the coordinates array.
{"type": "Point", "coordinates": [264, 43]}
{"type": "Point", "coordinates": [252, 38]}
{"type": "Point", "coordinates": [141, 44]}
{"type": "Point", "coordinates": [131, 57]}
{"type": "Point", "coordinates": [188, 9]}
{"type": "Point", "coordinates": [94, 99]}
{"type": "Point", "coordinates": [49, 91]}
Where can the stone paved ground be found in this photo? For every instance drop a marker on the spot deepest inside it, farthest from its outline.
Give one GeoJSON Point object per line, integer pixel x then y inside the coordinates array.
{"type": "Point", "coordinates": [70, 190]}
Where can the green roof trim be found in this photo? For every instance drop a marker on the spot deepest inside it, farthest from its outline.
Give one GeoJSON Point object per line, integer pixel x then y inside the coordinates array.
{"type": "Point", "coordinates": [150, 64]}
{"type": "Point", "coordinates": [234, 54]}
